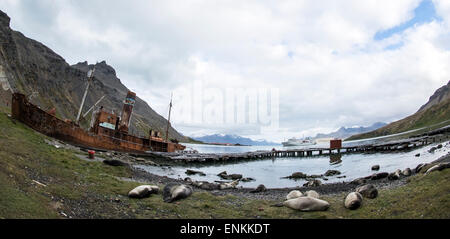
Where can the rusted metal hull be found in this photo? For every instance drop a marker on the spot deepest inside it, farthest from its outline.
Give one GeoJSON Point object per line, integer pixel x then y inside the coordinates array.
{"type": "Point", "coordinates": [107, 139]}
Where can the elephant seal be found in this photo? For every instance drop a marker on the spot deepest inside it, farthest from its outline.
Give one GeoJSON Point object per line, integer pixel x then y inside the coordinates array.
{"type": "Point", "coordinates": [353, 200]}
{"type": "Point", "coordinates": [313, 183]}
{"type": "Point", "coordinates": [438, 167]}
{"type": "Point", "coordinates": [229, 185]}
{"type": "Point", "coordinates": [367, 191]}
{"type": "Point", "coordinates": [206, 185]}
{"type": "Point", "coordinates": [313, 194]}
{"type": "Point", "coordinates": [175, 191]}
{"type": "Point", "coordinates": [395, 175]}
{"type": "Point", "coordinates": [307, 204]}
{"type": "Point", "coordinates": [406, 172]}
{"type": "Point", "coordinates": [379, 176]}
{"type": "Point", "coordinates": [260, 188]}
{"type": "Point", "coordinates": [420, 167]}
{"type": "Point", "coordinates": [294, 194]}
{"type": "Point", "coordinates": [143, 191]}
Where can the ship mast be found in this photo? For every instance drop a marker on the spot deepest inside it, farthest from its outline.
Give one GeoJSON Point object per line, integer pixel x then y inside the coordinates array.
{"type": "Point", "coordinates": [168, 119]}
{"type": "Point", "coordinates": [90, 74]}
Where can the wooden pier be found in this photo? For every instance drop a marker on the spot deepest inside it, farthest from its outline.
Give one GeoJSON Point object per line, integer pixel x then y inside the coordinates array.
{"type": "Point", "coordinates": [392, 146]}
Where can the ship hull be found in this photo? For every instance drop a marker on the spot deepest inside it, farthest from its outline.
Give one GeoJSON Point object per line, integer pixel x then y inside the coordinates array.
{"type": "Point", "coordinates": [286, 144]}
{"type": "Point", "coordinates": [106, 139]}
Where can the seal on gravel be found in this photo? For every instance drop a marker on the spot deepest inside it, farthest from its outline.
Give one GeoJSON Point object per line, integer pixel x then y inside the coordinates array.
{"type": "Point", "coordinates": [406, 172]}
{"type": "Point", "coordinates": [294, 194]}
{"type": "Point", "coordinates": [229, 185]}
{"type": "Point", "coordinates": [367, 191]}
{"type": "Point", "coordinates": [307, 204]}
{"type": "Point", "coordinates": [175, 191]}
{"type": "Point", "coordinates": [143, 191]}
{"type": "Point", "coordinates": [313, 194]}
{"type": "Point", "coordinates": [260, 188]}
{"type": "Point", "coordinates": [353, 200]}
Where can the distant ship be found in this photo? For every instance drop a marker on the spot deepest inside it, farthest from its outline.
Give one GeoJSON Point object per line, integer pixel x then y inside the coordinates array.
{"type": "Point", "coordinates": [298, 142]}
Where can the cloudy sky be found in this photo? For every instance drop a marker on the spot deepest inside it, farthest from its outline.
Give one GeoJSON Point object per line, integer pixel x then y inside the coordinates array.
{"type": "Point", "coordinates": [326, 63]}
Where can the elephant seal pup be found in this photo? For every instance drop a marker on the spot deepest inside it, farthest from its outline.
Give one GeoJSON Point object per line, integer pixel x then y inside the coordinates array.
{"type": "Point", "coordinates": [175, 191]}
{"type": "Point", "coordinates": [229, 185]}
{"type": "Point", "coordinates": [294, 194]}
{"type": "Point", "coordinates": [367, 191]}
{"type": "Point", "coordinates": [143, 191]}
{"type": "Point", "coordinates": [406, 172]}
{"type": "Point", "coordinates": [307, 204]}
{"type": "Point", "coordinates": [353, 200]}
{"type": "Point", "coordinates": [313, 194]}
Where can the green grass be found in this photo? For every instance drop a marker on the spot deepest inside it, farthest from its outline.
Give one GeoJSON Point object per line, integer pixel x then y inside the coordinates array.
{"type": "Point", "coordinates": [90, 188]}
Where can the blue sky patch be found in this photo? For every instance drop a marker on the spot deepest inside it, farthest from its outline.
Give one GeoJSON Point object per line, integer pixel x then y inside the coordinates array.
{"type": "Point", "coordinates": [424, 13]}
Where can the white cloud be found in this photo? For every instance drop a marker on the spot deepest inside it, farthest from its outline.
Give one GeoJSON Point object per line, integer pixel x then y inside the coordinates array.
{"type": "Point", "coordinates": [320, 54]}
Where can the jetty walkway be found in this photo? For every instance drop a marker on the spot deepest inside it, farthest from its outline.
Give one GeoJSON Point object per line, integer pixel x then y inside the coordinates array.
{"type": "Point", "coordinates": [391, 146]}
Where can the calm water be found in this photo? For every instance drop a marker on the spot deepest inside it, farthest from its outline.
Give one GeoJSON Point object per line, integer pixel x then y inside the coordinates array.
{"type": "Point", "coordinates": [270, 171]}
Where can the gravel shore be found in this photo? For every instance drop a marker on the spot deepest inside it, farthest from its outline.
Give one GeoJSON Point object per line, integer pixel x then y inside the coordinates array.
{"type": "Point", "coordinates": [277, 194]}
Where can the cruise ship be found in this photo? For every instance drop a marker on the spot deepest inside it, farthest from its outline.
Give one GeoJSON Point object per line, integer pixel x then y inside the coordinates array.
{"type": "Point", "coordinates": [298, 142]}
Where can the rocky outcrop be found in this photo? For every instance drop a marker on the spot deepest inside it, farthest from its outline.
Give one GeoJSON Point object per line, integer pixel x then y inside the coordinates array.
{"type": "Point", "coordinates": [31, 67]}
{"type": "Point", "coordinates": [224, 175]}
{"type": "Point", "coordinates": [332, 173]}
{"type": "Point", "coordinates": [192, 172]}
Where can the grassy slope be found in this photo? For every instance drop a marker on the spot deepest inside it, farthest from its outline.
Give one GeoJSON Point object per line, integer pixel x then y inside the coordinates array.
{"type": "Point", "coordinates": [433, 115]}
{"type": "Point", "coordinates": [89, 190]}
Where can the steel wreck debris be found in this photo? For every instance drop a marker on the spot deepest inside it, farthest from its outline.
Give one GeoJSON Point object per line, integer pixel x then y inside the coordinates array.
{"type": "Point", "coordinates": [107, 130]}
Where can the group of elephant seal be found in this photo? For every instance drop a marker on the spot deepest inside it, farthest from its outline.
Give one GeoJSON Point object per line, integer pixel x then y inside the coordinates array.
{"type": "Point", "coordinates": [171, 192]}
{"type": "Point", "coordinates": [354, 200]}
{"type": "Point", "coordinates": [309, 202]}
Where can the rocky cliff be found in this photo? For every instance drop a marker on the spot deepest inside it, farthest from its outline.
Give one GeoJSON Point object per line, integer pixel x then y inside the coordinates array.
{"type": "Point", "coordinates": [436, 110]}
{"type": "Point", "coordinates": [50, 82]}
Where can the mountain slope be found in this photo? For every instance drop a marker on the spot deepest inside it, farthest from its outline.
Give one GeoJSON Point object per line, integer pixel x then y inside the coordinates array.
{"type": "Point", "coordinates": [232, 139]}
{"type": "Point", "coordinates": [31, 67]}
{"type": "Point", "coordinates": [436, 110]}
{"type": "Point", "coordinates": [344, 132]}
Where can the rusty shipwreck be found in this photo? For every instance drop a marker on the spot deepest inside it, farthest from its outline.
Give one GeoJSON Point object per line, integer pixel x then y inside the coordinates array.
{"type": "Point", "coordinates": [107, 130]}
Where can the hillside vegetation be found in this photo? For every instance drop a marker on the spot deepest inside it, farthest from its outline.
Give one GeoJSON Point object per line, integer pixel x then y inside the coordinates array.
{"type": "Point", "coordinates": [435, 113]}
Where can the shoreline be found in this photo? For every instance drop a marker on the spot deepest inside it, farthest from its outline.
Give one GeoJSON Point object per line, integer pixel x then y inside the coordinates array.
{"type": "Point", "coordinates": [139, 175]}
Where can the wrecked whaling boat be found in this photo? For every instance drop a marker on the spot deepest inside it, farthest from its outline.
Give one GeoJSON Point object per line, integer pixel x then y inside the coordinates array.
{"type": "Point", "coordinates": [107, 130]}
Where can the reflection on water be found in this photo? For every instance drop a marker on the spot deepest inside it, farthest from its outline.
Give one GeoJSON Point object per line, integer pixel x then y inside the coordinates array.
{"type": "Point", "coordinates": [269, 171]}
{"type": "Point", "coordinates": [335, 159]}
